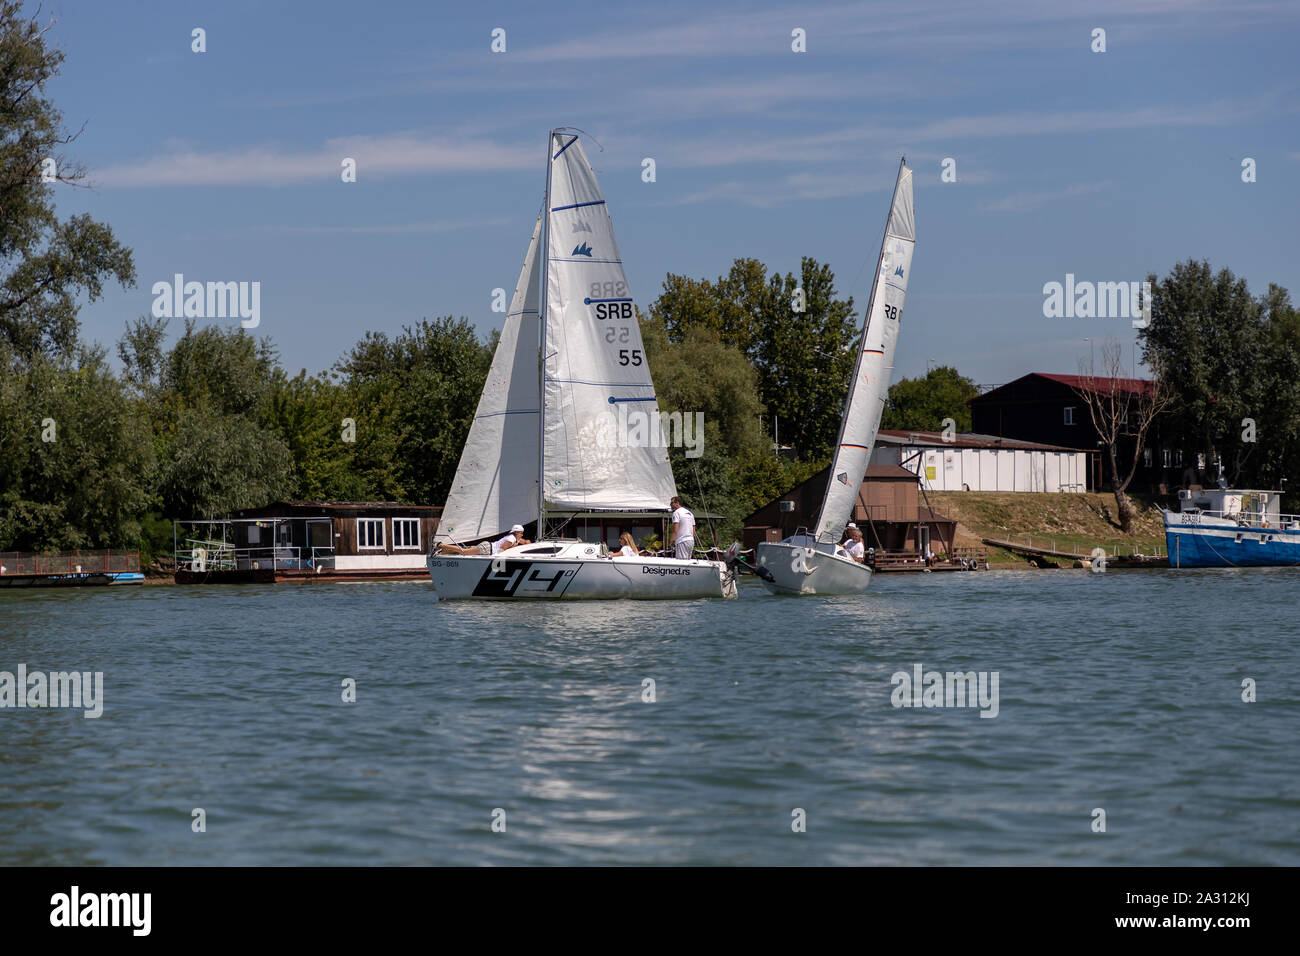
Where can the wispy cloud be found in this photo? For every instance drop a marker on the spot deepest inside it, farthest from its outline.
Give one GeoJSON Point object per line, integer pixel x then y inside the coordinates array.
{"type": "Point", "coordinates": [399, 153]}
{"type": "Point", "coordinates": [1032, 200]}
{"type": "Point", "coordinates": [399, 228]}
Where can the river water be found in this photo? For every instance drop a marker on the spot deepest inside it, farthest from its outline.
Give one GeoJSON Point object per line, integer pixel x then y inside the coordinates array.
{"type": "Point", "coordinates": [1120, 692]}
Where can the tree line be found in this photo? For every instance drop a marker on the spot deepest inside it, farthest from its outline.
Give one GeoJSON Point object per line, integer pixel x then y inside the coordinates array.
{"type": "Point", "coordinates": [96, 455]}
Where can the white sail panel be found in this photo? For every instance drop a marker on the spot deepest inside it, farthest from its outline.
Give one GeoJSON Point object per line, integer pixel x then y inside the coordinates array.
{"type": "Point", "coordinates": [870, 386]}
{"type": "Point", "coordinates": [596, 374]}
{"type": "Point", "coordinates": [496, 480]}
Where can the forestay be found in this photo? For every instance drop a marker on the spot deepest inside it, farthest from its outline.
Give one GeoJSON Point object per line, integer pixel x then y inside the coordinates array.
{"type": "Point", "coordinates": [595, 363]}
{"type": "Point", "coordinates": [487, 498]}
{"type": "Point", "coordinates": [874, 364]}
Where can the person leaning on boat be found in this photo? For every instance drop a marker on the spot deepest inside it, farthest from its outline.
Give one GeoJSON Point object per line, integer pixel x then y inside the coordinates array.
{"type": "Point", "coordinates": [513, 539]}
{"type": "Point", "coordinates": [683, 530]}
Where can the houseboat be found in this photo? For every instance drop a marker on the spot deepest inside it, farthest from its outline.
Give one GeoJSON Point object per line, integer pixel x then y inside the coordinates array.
{"type": "Point", "coordinates": [1231, 528]}
{"type": "Point", "coordinates": [307, 541]}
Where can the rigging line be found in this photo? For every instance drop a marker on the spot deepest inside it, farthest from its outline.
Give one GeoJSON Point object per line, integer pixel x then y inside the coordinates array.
{"type": "Point", "coordinates": [705, 505]}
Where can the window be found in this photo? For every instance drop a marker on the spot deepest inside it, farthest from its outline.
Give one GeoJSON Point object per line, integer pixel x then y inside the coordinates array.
{"type": "Point", "coordinates": [370, 533]}
{"type": "Point", "coordinates": [1166, 456]}
{"type": "Point", "coordinates": [1147, 457]}
{"type": "Point", "coordinates": [254, 534]}
{"type": "Point", "coordinates": [406, 533]}
{"type": "Point", "coordinates": [1069, 414]}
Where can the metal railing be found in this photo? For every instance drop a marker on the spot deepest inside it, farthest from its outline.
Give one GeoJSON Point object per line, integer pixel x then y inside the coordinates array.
{"type": "Point", "coordinates": [1247, 519]}
{"type": "Point", "coordinates": [1113, 547]}
{"type": "Point", "coordinates": [201, 557]}
{"type": "Point", "coordinates": [69, 562]}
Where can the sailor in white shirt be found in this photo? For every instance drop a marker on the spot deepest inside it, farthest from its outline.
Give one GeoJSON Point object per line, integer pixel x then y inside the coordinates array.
{"type": "Point", "coordinates": [854, 545]}
{"type": "Point", "coordinates": [683, 530]}
{"type": "Point", "coordinates": [516, 536]}
{"type": "Point", "coordinates": [848, 535]}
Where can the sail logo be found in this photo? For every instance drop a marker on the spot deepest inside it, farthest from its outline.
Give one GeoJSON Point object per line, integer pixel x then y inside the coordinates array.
{"type": "Point", "coordinates": [842, 478]}
{"type": "Point", "coordinates": [582, 250]}
{"type": "Point", "coordinates": [1098, 300]}
{"type": "Point", "coordinates": [214, 300]}
{"type": "Point", "coordinates": [899, 272]}
{"type": "Point", "coordinates": [581, 226]}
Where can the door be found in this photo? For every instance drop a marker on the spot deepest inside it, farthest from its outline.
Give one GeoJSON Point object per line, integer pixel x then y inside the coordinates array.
{"type": "Point", "coordinates": [320, 542]}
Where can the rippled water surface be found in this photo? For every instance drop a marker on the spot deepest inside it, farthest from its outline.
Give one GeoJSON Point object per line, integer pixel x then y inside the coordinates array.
{"type": "Point", "coordinates": [1120, 691]}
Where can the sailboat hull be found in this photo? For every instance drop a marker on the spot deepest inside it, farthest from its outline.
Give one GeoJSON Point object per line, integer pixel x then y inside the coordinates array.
{"type": "Point", "coordinates": [800, 569]}
{"type": "Point", "coordinates": [576, 573]}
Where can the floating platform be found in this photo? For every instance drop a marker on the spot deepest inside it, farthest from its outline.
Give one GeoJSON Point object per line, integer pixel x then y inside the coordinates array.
{"type": "Point", "coordinates": [290, 575]}
{"type": "Point", "coordinates": [1045, 557]}
{"type": "Point", "coordinates": [20, 569]}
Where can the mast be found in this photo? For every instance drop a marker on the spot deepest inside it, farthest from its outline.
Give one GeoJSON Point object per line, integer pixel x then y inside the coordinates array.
{"type": "Point", "coordinates": [862, 341]}
{"type": "Point", "coordinates": [541, 343]}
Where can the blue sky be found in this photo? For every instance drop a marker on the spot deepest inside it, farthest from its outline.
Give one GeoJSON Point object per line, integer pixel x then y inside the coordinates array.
{"type": "Point", "coordinates": [224, 165]}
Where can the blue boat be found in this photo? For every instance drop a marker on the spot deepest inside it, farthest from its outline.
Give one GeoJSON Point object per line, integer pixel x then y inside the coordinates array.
{"type": "Point", "coordinates": [1231, 528]}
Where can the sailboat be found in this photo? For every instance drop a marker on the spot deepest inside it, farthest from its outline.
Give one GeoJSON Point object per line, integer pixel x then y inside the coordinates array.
{"type": "Point", "coordinates": [814, 563]}
{"type": "Point", "coordinates": [544, 437]}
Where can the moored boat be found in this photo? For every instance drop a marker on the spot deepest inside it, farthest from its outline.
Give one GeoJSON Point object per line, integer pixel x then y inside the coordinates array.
{"type": "Point", "coordinates": [1231, 528]}
{"type": "Point", "coordinates": [814, 563]}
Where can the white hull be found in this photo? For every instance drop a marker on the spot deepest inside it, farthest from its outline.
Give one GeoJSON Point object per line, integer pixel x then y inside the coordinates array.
{"type": "Point", "coordinates": [568, 570]}
{"type": "Point", "coordinates": [809, 568]}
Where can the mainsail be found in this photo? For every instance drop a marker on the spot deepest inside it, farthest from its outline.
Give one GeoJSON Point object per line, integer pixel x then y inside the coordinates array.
{"type": "Point", "coordinates": [487, 498]}
{"type": "Point", "coordinates": [874, 363]}
{"type": "Point", "coordinates": [595, 375]}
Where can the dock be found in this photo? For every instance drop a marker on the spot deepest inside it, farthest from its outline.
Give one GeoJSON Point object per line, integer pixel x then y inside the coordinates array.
{"type": "Point", "coordinates": [20, 569]}
{"type": "Point", "coordinates": [1046, 554]}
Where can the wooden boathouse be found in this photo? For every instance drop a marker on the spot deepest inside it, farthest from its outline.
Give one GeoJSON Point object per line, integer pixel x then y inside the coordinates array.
{"type": "Point", "coordinates": [890, 513]}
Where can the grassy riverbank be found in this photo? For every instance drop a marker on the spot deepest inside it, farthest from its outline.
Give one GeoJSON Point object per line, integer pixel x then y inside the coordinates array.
{"type": "Point", "coordinates": [1062, 522]}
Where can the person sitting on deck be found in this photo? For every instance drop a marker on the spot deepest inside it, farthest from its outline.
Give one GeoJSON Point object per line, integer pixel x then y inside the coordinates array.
{"type": "Point", "coordinates": [848, 535]}
{"type": "Point", "coordinates": [626, 547]}
{"type": "Point", "coordinates": [854, 546]}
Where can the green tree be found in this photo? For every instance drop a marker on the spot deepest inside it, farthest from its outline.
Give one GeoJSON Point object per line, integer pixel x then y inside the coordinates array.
{"type": "Point", "coordinates": [1228, 357]}
{"type": "Point", "coordinates": [921, 404]}
{"type": "Point", "coordinates": [76, 461]}
{"type": "Point", "coordinates": [415, 396]}
{"type": "Point", "coordinates": [216, 452]}
{"type": "Point", "coordinates": [702, 375]}
{"type": "Point", "coordinates": [48, 263]}
{"type": "Point", "coordinates": [803, 358]}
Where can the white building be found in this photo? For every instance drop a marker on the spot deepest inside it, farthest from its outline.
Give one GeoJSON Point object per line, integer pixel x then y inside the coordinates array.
{"type": "Point", "coordinates": [973, 462]}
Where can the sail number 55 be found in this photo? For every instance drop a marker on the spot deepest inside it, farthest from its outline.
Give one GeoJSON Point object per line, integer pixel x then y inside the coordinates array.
{"type": "Point", "coordinates": [625, 357]}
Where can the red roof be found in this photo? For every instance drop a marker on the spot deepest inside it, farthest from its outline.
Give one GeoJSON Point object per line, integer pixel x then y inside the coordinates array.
{"type": "Point", "coordinates": [1136, 386]}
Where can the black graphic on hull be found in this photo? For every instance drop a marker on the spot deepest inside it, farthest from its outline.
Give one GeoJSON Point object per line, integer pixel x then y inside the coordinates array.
{"type": "Point", "coordinates": [508, 578]}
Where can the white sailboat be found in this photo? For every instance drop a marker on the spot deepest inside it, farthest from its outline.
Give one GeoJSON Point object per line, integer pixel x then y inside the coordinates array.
{"type": "Point", "coordinates": [815, 563]}
{"type": "Point", "coordinates": [543, 441]}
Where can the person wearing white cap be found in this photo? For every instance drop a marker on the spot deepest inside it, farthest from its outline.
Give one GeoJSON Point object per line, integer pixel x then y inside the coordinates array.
{"type": "Point", "coordinates": [848, 534]}
{"type": "Point", "coordinates": [515, 537]}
